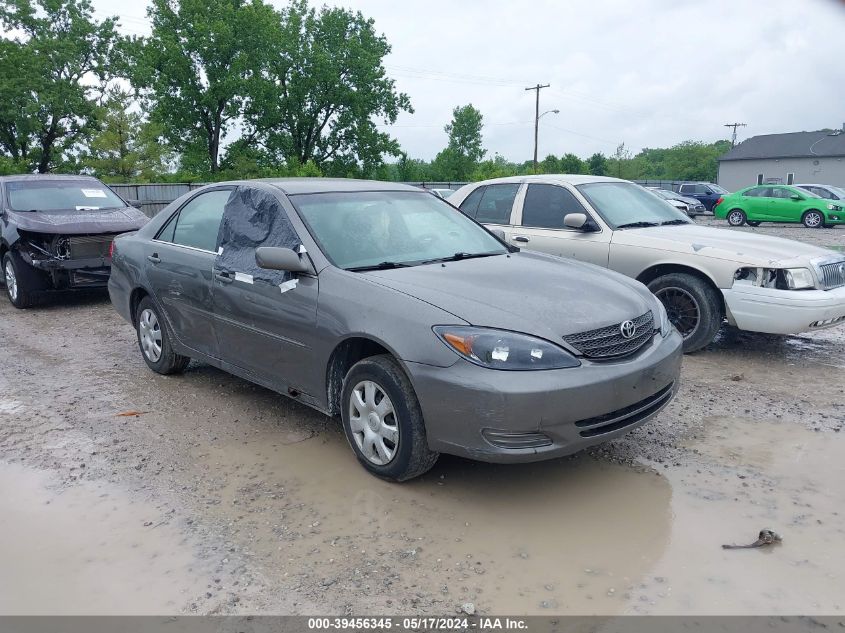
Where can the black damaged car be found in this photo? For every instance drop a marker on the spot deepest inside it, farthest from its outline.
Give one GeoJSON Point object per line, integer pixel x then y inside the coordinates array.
{"type": "Point", "coordinates": [56, 234]}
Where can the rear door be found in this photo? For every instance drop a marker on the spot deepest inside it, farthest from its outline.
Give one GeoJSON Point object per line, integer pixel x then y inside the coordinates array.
{"type": "Point", "coordinates": [179, 264]}
{"type": "Point", "coordinates": [541, 228]}
{"type": "Point", "coordinates": [756, 203]}
{"type": "Point", "coordinates": [263, 317]}
{"type": "Point", "coordinates": [493, 206]}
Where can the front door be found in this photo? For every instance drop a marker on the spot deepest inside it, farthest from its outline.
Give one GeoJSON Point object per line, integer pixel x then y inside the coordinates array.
{"type": "Point", "coordinates": [264, 318]}
{"type": "Point", "coordinates": [782, 207]}
{"type": "Point", "coordinates": [179, 263]}
{"type": "Point", "coordinates": [541, 226]}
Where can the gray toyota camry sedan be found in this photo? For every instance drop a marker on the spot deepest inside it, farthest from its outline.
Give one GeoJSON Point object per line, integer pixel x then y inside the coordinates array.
{"type": "Point", "coordinates": [384, 305]}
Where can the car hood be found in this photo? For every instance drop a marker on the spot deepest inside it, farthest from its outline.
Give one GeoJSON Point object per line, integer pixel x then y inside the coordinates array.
{"type": "Point", "coordinates": [537, 294]}
{"type": "Point", "coordinates": [689, 200]}
{"type": "Point", "coordinates": [736, 246]}
{"type": "Point", "coordinates": [77, 222]}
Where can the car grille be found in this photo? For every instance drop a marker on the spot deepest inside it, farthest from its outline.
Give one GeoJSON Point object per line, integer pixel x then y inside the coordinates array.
{"type": "Point", "coordinates": [84, 246]}
{"type": "Point", "coordinates": [833, 275]}
{"type": "Point", "coordinates": [608, 342]}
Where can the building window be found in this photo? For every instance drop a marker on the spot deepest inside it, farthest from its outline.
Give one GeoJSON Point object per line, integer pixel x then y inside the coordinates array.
{"type": "Point", "coordinates": [759, 179]}
{"type": "Point", "coordinates": [790, 178]}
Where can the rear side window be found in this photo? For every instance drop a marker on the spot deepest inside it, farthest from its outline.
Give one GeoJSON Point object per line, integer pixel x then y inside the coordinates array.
{"type": "Point", "coordinates": [546, 205]}
{"type": "Point", "coordinates": [470, 204]}
{"type": "Point", "coordinates": [198, 222]}
{"type": "Point", "coordinates": [496, 203]}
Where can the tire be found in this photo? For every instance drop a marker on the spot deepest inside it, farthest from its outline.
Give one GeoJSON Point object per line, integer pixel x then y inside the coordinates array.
{"type": "Point", "coordinates": [151, 328]}
{"type": "Point", "coordinates": [812, 219]}
{"type": "Point", "coordinates": [694, 307]}
{"type": "Point", "coordinates": [753, 223]}
{"type": "Point", "coordinates": [399, 431]}
{"type": "Point", "coordinates": [22, 282]}
{"type": "Point", "coordinates": [736, 217]}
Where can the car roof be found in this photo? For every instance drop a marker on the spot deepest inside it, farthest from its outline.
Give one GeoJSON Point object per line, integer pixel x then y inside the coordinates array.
{"type": "Point", "coordinates": [293, 186]}
{"type": "Point", "coordinates": [20, 177]}
{"type": "Point", "coordinates": [571, 179]}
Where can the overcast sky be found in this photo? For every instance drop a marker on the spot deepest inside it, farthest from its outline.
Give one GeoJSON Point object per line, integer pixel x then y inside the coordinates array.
{"type": "Point", "coordinates": [649, 73]}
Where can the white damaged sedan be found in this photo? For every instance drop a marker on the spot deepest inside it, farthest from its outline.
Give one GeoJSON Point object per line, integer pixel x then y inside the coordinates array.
{"type": "Point", "coordinates": [703, 275]}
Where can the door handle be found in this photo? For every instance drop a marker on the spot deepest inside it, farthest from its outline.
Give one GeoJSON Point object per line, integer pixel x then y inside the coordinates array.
{"type": "Point", "coordinates": [154, 258]}
{"type": "Point", "coordinates": [521, 238]}
{"type": "Point", "coordinates": [224, 277]}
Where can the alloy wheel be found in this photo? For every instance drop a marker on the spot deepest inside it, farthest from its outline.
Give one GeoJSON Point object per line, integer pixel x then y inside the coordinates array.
{"type": "Point", "coordinates": [11, 281]}
{"type": "Point", "coordinates": [682, 308]}
{"type": "Point", "coordinates": [149, 330]}
{"type": "Point", "coordinates": [735, 218]}
{"type": "Point", "coordinates": [372, 420]}
{"type": "Point", "coordinates": [812, 219]}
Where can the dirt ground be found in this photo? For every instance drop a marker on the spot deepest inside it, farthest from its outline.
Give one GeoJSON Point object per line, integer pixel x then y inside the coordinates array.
{"type": "Point", "coordinates": [222, 497]}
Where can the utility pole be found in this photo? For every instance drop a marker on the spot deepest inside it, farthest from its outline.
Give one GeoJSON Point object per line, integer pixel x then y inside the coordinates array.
{"type": "Point", "coordinates": [733, 136]}
{"type": "Point", "coordinates": [538, 88]}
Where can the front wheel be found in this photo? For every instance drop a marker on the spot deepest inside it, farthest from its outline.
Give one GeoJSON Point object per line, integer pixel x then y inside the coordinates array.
{"type": "Point", "coordinates": [154, 340]}
{"type": "Point", "coordinates": [812, 219]}
{"type": "Point", "coordinates": [21, 281]}
{"type": "Point", "coordinates": [383, 421]}
{"type": "Point", "coordinates": [736, 217]}
{"type": "Point", "coordinates": [694, 307]}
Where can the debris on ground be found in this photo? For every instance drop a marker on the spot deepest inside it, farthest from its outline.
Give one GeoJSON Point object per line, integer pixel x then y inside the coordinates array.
{"type": "Point", "coordinates": [765, 537]}
{"type": "Point", "coordinates": [130, 414]}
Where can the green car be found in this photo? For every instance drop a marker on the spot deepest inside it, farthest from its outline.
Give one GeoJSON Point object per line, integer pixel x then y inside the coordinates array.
{"type": "Point", "coordinates": [779, 203]}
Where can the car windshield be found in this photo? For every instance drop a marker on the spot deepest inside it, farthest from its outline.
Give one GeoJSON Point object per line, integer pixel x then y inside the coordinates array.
{"type": "Point", "coordinates": [61, 195]}
{"type": "Point", "coordinates": [839, 191]}
{"type": "Point", "coordinates": [387, 229]}
{"type": "Point", "coordinates": [626, 205]}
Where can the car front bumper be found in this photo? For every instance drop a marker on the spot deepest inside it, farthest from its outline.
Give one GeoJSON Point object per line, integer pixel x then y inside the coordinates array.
{"type": "Point", "coordinates": [89, 272]}
{"type": "Point", "coordinates": [523, 416]}
{"type": "Point", "coordinates": [784, 311]}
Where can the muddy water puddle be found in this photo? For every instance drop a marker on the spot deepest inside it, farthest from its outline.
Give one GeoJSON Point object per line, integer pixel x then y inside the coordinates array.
{"type": "Point", "coordinates": [572, 536]}
{"type": "Point", "coordinates": [85, 549]}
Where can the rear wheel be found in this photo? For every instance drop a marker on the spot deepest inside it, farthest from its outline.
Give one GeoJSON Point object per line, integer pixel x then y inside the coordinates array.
{"type": "Point", "coordinates": [812, 219]}
{"type": "Point", "coordinates": [154, 340]}
{"type": "Point", "coordinates": [736, 217]}
{"type": "Point", "coordinates": [383, 421]}
{"type": "Point", "coordinates": [694, 307]}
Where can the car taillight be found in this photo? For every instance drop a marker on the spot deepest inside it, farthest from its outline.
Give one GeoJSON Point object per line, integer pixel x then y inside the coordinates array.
{"type": "Point", "coordinates": [718, 202]}
{"type": "Point", "coordinates": [111, 249]}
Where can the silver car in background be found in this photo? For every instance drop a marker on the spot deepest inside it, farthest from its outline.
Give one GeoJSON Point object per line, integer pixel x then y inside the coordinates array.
{"type": "Point", "coordinates": [385, 306]}
{"type": "Point", "coordinates": [690, 206]}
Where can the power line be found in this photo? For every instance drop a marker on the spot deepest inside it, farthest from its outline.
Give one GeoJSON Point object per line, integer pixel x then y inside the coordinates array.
{"type": "Point", "coordinates": [734, 126]}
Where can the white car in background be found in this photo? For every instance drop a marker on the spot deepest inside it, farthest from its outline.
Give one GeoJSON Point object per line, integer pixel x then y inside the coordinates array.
{"type": "Point", "coordinates": [691, 206]}
{"type": "Point", "coordinates": [703, 275]}
{"type": "Point", "coordinates": [828, 192]}
{"type": "Point", "coordinates": [441, 193]}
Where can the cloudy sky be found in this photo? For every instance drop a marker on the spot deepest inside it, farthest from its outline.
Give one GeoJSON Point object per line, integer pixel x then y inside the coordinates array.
{"type": "Point", "coordinates": [649, 73]}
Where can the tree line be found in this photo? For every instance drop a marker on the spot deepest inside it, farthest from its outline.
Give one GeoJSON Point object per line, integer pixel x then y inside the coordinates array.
{"type": "Point", "coordinates": [239, 89]}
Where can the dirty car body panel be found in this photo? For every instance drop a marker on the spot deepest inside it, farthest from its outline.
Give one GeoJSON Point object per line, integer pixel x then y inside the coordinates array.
{"type": "Point", "coordinates": [301, 333]}
{"type": "Point", "coordinates": [62, 227]}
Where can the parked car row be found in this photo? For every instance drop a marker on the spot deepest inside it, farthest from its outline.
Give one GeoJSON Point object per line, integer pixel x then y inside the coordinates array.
{"type": "Point", "coordinates": [559, 324]}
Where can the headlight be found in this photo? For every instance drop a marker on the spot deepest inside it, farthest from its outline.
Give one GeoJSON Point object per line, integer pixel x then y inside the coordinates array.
{"type": "Point", "coordinates": [779, 278]}
{"type": "Point", "coordinates": [799, 278]}
{"type": "Point", "coordinates": [500, 349]}
{"type": "Point", "coordinates": [662, 318]}
{"type": "Point", "coordinates": [834, 207]}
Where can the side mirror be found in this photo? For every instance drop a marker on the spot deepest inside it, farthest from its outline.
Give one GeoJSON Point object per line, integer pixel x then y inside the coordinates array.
{"type": "Point", "coordinates": [133, 202]}
{"type": "Point", "coordinates": [795, 196]}
{"type": "Point", "coordinates": [576, 221]}
{"type": "Point", "coordinates": [276, 258]}
{"type": "Point", "coordinates": [499, 233]}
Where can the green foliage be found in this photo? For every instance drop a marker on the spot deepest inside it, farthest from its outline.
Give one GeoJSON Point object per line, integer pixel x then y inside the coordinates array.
{"type": "Point", "coordinates": [196, 68]}
{"type": "Point", "coordinates": [53, 69]}
{"type": "Point", "coordinates": [323, 88]}
{"type": "Point", "coordinates": [497, 167]}
{"type": "Point", "coordinates": [463, 152]}
{"type": "Point", "coordinates": [571, 164]}
{"type": "Point", "coordinates": [597, 164]}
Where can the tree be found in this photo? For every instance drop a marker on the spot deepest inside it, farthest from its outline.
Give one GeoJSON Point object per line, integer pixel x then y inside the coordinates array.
{"type": "Point", "coordinates": [53, 70]}
{"type": "Point", "coordinates": [126, 147]}
{"type": "Point", "coordinates": [196, 68]}
{"type": "Point", "coordinates": [323, 88]}
{"type": "Point", "coordinates": [550, 165]}
{"type": "Point", "coordinates": [571, 164]}
{"type": "Point", "coordinates": [463, 152]}
{"type": "Point", "coordinates": [597, 164]}
{"type": "Point", "coordinates": [497, 167]}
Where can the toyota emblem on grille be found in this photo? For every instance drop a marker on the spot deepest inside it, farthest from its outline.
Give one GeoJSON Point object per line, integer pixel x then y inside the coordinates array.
{"type": "Point", "coordinates": [627, 329]}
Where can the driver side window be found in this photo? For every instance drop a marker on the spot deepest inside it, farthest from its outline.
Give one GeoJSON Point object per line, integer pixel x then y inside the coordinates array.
{"type": "Point", "coordinates": [546, 205]}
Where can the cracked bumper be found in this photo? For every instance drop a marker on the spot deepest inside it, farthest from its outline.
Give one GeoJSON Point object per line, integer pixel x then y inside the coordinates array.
{"type": "Point", "coordinates": [784, 311]}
